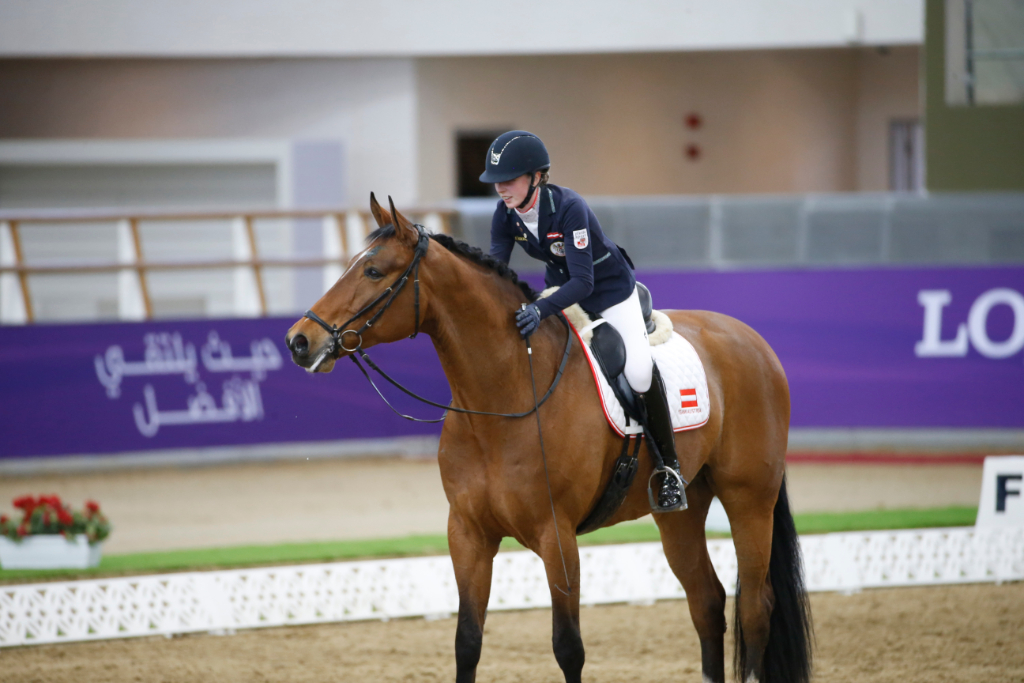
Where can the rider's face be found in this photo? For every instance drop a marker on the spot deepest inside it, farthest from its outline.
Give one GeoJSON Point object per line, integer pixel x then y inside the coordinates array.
{"type": "Point", "coordinates": [513, 192]}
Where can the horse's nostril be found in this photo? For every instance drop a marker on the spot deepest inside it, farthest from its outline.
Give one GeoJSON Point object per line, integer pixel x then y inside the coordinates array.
{"type": "Point", "coordinates": [300, 345]}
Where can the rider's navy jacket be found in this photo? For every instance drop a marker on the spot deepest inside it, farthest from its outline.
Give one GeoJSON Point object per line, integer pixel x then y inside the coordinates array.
{"type": "Point", "coordinates": [587, 266]}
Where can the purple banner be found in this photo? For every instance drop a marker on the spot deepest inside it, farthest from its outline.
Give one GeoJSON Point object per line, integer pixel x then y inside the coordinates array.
{"type": "Point", "coordinates": [936, 347]}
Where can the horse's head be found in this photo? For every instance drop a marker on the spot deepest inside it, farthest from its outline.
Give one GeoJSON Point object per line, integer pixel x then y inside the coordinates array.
{"type": "Point", "coordinates": [376, 300]}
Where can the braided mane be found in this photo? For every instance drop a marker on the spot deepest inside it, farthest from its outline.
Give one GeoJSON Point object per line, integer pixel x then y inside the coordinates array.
{"type": "Point", "coordinates": [471, 253]}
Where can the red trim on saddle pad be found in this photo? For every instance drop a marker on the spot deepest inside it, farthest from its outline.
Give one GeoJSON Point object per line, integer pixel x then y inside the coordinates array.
{"type": "Point", "coordinates": [594, 370]}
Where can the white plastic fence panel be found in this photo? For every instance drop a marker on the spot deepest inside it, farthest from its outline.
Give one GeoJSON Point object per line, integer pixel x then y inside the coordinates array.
{"type": "Point", "coordinates": [383, 589]}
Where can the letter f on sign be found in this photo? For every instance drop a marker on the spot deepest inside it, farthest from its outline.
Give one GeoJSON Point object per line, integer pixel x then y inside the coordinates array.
{"type": "Point", "coordinates": [1002, 491]}
{"type": "Point", "coordinates": [932, 344]}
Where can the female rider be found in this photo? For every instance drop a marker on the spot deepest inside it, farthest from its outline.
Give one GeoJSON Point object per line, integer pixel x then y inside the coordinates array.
{"type": "Point", "coordinates": [555, 225]}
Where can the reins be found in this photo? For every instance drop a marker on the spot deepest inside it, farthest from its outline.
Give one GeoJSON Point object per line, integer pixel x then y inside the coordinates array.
{"type": "Point", "coordinates": [338, 335]}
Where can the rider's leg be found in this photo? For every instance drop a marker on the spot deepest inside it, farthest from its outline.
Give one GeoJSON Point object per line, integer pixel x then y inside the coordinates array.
{"type": "Point", "coordinates": [644, 379]}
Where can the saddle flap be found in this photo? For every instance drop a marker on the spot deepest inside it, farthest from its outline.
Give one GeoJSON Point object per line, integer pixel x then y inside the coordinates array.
{"type": "Point", "coordinates": [609, 349]}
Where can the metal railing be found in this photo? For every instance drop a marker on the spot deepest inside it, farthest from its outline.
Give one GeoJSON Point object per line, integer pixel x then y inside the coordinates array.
{"type": "Point", "coordinates": [343, 231]}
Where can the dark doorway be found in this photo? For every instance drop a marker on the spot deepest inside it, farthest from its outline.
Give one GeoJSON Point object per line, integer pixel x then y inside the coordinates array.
{"type": "Point", "coordinates": [470, 153]}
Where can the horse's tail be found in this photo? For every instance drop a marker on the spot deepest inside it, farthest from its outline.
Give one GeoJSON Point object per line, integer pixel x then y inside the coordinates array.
{"type": "Point", "coordinates": [787, 657]}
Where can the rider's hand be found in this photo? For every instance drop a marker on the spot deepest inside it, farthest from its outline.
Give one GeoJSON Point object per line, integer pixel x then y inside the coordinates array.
{"type": "Point", "coordinates": [527, 320]}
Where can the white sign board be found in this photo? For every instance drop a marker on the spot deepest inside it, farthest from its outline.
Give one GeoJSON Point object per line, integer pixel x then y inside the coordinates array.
{"type": "Point", "coordinates": [1002, 492]}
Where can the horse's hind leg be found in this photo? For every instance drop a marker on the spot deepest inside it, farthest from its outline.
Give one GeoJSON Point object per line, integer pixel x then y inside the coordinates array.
{"type": "Point", "coordinates": [751, 515]}
{"type": "Point", "coordinates": [566, 640]}
{"type": "Point", "coordinates": [682, 535]}
{"type": "Point", "coordinates": [473, 558]}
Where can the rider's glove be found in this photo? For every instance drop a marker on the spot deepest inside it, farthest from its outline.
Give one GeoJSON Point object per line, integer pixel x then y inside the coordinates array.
{"type": "Point", "coordinates": [527, 320]}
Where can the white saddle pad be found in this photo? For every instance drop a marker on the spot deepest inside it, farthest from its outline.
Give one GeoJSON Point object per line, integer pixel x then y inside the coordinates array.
{"type": "Point", "coordinates": [685, 381]}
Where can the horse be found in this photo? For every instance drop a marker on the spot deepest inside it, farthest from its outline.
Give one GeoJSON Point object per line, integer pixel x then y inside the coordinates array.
{"type": "Point", "coordinates": [500, 484]}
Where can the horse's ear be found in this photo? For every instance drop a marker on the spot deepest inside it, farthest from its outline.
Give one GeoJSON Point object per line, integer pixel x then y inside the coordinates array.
{"type": "Point", "coordinates": [380, 215]}
{"type": "Point", "coordinates": [404, 228]}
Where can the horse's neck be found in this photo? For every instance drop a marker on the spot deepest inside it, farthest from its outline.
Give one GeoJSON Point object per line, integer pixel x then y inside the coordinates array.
{"type": "Point", "coordinates": [471, 325]}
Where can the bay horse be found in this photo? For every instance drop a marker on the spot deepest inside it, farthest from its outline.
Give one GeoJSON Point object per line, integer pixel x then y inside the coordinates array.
{"type": "Point", "coordinates": [492, 468]}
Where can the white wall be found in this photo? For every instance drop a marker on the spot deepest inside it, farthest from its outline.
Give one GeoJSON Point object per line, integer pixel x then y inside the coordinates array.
{"type": "Point", "coordinates": [888, 88]}
{"type": "Point", "coordinates": [351, 28]}
{"type": "Point", "coordinates": [369, 105]}
{"type": "Point", "coordinates": [774, 121]}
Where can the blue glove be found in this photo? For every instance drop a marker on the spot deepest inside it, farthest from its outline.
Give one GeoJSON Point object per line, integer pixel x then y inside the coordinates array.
{"type": "Point", "coordinates": [527, 320]}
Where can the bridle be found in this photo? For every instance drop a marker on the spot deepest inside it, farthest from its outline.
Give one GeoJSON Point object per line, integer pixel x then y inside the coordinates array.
{"type": "Point", "coordinates": [336, 331]}
{"type": "Point", "coordinates": [339, 332]}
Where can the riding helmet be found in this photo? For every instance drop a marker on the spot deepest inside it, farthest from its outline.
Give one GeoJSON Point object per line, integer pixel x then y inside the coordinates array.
{"type": "Point", "coordinates": [513, 154]}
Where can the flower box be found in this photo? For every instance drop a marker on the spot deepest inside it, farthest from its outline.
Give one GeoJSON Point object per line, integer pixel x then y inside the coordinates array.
{"type": "Point", "coordinates": [50, 535]}
{"type": "Point", "coordinates": [50, 551]}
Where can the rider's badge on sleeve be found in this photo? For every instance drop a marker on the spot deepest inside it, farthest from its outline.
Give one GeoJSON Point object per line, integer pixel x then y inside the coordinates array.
{"type": "Point", "coordinates": [580, 238]}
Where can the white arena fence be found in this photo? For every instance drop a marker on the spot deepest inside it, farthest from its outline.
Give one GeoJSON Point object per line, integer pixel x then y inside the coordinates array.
{"type": "Point", "coordinates": [222, 601]}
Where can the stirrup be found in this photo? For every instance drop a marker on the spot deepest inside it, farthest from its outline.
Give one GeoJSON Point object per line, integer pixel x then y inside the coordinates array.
{"type": "Point", "coordinates": [667, 471]}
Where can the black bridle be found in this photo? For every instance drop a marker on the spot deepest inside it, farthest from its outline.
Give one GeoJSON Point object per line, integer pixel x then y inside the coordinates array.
{"type": "Point", "coordinates": [338, 333]}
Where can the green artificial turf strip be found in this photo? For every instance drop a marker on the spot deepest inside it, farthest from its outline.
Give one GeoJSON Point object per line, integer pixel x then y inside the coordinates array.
{"type": "Point", "coordinates": [242, 556]}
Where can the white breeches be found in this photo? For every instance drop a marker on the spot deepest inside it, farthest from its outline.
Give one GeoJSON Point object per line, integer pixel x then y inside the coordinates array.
{"type": "Point", "coordinates": [628, 319]}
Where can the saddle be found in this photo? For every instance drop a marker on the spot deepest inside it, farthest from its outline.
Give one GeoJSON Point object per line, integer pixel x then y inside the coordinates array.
{"type": "Point", "coordinates": [608, 348]}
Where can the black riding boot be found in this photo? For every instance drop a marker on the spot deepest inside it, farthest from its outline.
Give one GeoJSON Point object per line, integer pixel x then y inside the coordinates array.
{"type": "Point", "coordinates": [661, 443]}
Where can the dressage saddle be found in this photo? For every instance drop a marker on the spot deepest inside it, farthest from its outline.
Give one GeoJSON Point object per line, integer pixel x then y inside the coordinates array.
{"type": "Point", "coordinates": [610, 352]}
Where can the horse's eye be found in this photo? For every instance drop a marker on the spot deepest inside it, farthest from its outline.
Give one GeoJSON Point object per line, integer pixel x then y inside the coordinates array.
{"type": "Point", "coordinates": [373, 273]}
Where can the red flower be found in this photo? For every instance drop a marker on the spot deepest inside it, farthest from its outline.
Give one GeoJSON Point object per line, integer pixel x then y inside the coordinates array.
{"type": "Point", "coordinates": [23, 529]}
{"type": "Point", "coordinates": [65, 517]}
{"type": "Point", "coordinates": [26, 503]}
{"type": "Point", "coordinates": [52, 500]}
{"type": "Point", "coordinates": [46, 517]}
{"type": "Point", "coordinates": [4, 519]}
{"type": "Point", "coordinates": [92, 506]}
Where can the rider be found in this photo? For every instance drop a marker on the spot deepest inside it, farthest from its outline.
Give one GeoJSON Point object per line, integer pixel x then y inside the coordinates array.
{"type": "Point", "coordinates": [555, 225]}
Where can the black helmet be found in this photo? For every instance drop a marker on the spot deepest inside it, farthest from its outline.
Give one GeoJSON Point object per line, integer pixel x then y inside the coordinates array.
{"type": "Point", "coordinates": [513, 154]}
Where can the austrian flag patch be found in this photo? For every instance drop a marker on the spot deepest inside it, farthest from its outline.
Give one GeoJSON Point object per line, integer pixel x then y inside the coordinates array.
{"type": "Point", "coordinates": [688, 398]}
{"type": "Point", "coordinates": [580, 238]}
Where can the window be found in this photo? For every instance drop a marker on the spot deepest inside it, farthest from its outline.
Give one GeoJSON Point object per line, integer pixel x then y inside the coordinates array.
{"type": "Point", "coordinates": [984, 52]}
{"type": "Point", "coordinates": [470, 154]}
{"type": "Point", "coordinates": [906, 155]}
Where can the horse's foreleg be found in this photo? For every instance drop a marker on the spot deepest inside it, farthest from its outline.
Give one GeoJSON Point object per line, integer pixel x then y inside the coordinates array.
{"type": "Point", "coordinates": [565, 600]}
{"type": "Point", "coordinates": [472, 555]}
{"type": "Point", "coordinates": [682, 536]}
{"type": "Point", "coordinates": [752, 536]}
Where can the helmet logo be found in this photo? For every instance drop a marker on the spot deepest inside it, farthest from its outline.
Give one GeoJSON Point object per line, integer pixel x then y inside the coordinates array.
{"type": "Point", "coordinates": [496, 157]}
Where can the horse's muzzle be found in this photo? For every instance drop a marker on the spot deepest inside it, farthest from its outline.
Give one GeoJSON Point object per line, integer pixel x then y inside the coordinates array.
{"type": "Point", "coordinates": [305, 356]}
{"type": "Point", "coordinates": [299, 346]}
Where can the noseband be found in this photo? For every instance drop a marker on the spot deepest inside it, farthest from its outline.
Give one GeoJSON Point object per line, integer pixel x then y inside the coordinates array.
{"type": "Point", "coordinates": [338, 332]}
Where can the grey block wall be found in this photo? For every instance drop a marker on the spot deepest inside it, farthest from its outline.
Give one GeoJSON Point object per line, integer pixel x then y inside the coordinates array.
{"type": "Point", "coordinates": [701, 232]}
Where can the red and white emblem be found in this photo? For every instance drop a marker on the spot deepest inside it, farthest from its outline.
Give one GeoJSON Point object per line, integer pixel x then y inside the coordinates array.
{"type": "Point", "coordinates": [580, 238]}
{"type": "Point", "coordinates": [687, 398]}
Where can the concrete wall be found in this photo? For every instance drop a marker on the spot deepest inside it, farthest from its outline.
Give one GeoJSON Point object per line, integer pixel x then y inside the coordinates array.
{"type": "Point", "coordinates": [888, 87]}
{"type": "Point", "coordinates": [774, 121]}
{"type": "Point", "coordinates": [347, 28]}
{"type": "Point", "coordinates": [369, 105]}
